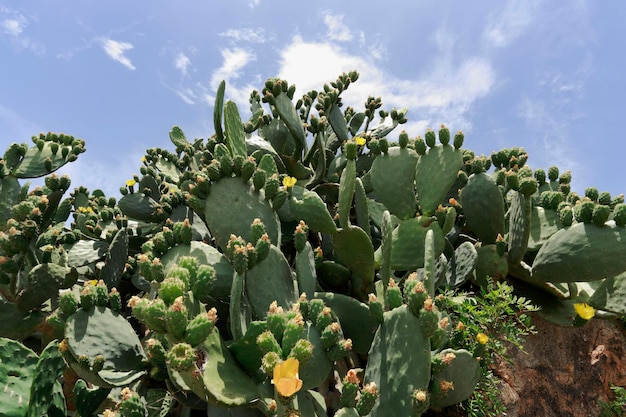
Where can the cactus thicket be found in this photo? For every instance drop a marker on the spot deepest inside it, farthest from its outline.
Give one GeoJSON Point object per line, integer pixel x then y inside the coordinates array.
{"type": "Point", "coordinates": [299, 242]}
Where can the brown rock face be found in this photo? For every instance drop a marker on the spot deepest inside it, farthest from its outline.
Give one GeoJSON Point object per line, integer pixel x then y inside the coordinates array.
{"type": "Point", "coordinates": [565, 371]}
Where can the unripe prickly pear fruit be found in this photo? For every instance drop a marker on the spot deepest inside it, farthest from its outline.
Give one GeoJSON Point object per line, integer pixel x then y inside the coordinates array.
{"type": "Point", "coordinates": [566, 215]}
{"type": "Point", "coordinates": [393, 295]}
{"type": "Point", "coordinates": [540, 176]}
{"type": "Point", "coordinates": [181, 357]}
{"type": "Point", "coordinates": [176, 319]}
{"type": "Point", "coordinates": [331, 335]}
{"type": "Point", "coordinates": [276, 321]}
{"type": "Point", "coordinates": [156, 352]}
{"type": "Point", "coordinates": [444, 135]}
{"type": "Point", "coordinates": [420, 145]}
{"type": "Point", "coordinates": [350, 149]}
{"type": "Point", "coordinates": [403, 139]}
{"type": "Point", "coordinates": [565, 177]}
{"type": "Point", "coordinates": [376, 308]}
{"type": "Point", "coordinates": [430, 138]}
{"type": "Point", "coordinates": [247, 169]}
{"type": "Point", "coordinates": [269, 361]}
{"type": "Point", "coordinates": [267, 342]}
{"type": "Point", "coordinates": [300, 236]}
{"type": "Point", "coordinates": [302, 350]}
{"type": "Point", "coordinates": [199, 328]}
{"type": "Point", "coordinates": [68, 303]}
{"type": "Point", "coordinates": [294, 330]}
{"type": "Point", "coordinates": [553, 173]}
{"type": "Point", "coordinates": [155, 312]}
{"type": "Point", "coordinates": [98, 363]}
{"type": "Point", "coordinates": [528, 186]}
{"type": "Point", "coordinates": [324, 319]}
{"type": "Point", "coordinates": [420, 402]}
{"type": "Point", "coordinates": [88, 297]}
{"type": "Point", "coordinates": [262, 248]}
{"type": "Point", "coordinates": [458, 140]}
{"type": "Point", "coordinates": [619, 214]}
{"type": "Point", "coordinates": [183, 232]}
{"type": "Point", "coordinates": [384, 145]}
{"type": "Point", "coordinates": [551, 199]}
{"type": "Point", "coordinates": [350, 389]}
{"type": "Point", "coordinates": [512, 180]}
{"type": "Point", "coordinates": [272, 186]}
{"type": "Point", "coordinates": [428, 318]}
{"type": "Point", "coordinates": [340, 350]}
{"type": "Point", "coordinates": [600, 214]}
{"type": "Point", "coordinates": [258, 179]}
{"type": "Point", "coordinates": [415, 297]}
{"type": "Point", "coordinates": [214, 170]}
{"type": "Point", "coordinates": [102, 294]}
{"type": "Point", "coordinates": [205, 278]}
{"type": "Point", "coordinates": [592, 193]}
{"type": "Point", "coordinates": [56, 321]}
{"type": "Point", "coordinates": [583, 211]}
{"type": "Point", "coordinates": [83, 361]}
{"type": "Point", "coordinates": [257, 229]}
{"type": "Point", "coordinates": [565, 189]}
{"type": "Point", "coordinates": [171, 288]}
{"type": "Point", "coordinates": [369, 395]}
{"type": "Point", "coordinates": [132, 405]}
{"type": "Point", "coordinates": [604, 198]}
{"type": "Point", "coordinates": [279, 199]}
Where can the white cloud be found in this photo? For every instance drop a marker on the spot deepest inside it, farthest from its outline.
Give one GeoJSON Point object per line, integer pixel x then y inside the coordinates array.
{"type": "Point", "coordinates": [13, 27]}
{"type": "Point", "coordinates": [337, 30]}
{"type": "Point", "coordinates": [245, 35]}
{"type": "Point", "coordinates": [254, 3]}
{"type": "Point", "coordinates": [182, 62]}
{"type": "Point", "coordinates": [116, 50]}
{"type": "Point", "coordinates": [445, 93]}
{"type": "Point", "coordinates": [234, 61]}
{"type": "Point", "coordinates": [511, 23]}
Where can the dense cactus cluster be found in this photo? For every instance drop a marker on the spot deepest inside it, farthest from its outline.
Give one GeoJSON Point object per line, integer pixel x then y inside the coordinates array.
{"type": "Point", "coordinates": [248, 269]}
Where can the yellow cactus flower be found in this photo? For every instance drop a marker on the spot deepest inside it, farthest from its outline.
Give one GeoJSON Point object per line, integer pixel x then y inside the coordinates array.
{"type": "Point", "coordinates": [131, 183]}
{"type": "Point", "coordinates": [482, 338]}
{"type": "Point", "coordinates": [289, 182]}
{"type": "Point", "coordinates": [286, 378]}
{"type": "Point", "coordinates": [360, 140]}
{"type": "Point", "coordinates": [584, 310]}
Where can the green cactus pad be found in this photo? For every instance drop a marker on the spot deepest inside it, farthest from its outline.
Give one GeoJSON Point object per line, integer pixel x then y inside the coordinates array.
{"type": "Point", "coordinates": [85, 252]}
{"type": "Point", "coordinates": [543, 224]}
{"type": "Point", "coordinates": [231, 208]}
{"type": "Point", "coordinates": [33, 164]}
{"type": "Point", "coordinates": [247, 351]}
{"type": "Point", "coordinates": [288, 114]}
{"type": "Point", "coordinates": [235, 136]}
{"type": "Point", "coordinates": [17, 324]}
{"type": "Point", "coordinates": [346, 192]}
{"type": "Point", "coordinates": [270, 280]}
{"type": "Point", "coordinates": [611, 295]}
{"type": "Point", "coordinates": [407, 244]}
{"type": "Point", "coordinates": [17, 370]}
{"type": "Point", "coordinates": [398, 362]}
{"type": "Point", "coordinates": [138, 206]}
{"type": "Point", "coordinates": [308, 206]}
{"type": "Point", "coordinates": [338, 123]}
{"type": "Point", "coordinates": [101, 331]}
{"type": "Point", "coordinates": [435, 173]}
{"type": "Point", "coordinates": [354, 250]}
{"type": "Point", "coordinates": [116, 258]}
{"type": "Point", "coordinates": [46, 392]}
{"type": "Point", "coordinates": [305, 271]}
{"type": "Point", "coordinates": [490, 265]}
{"type": "Point", "coordinates": [42, 283]}
{"type": "Point", "coordinates": [463, 372]}
{"type": "Point", "coordinates": [226, 383]}
{"type": "Point", "coordinates": [393, 179]}
{"type": "Point", "coordinates": [461, 265]}
{"type": "Point", "coordinates": [356, 322]}
{"type": "Point", "coordinates": [88, 400]}
{"type": "Point", "coordinates": [519, 225]}
{"type": "Point", "coordinates": [9, 192]}
{"type": "Point", "coordinates": [582, 252]}
{"type": "Point", "coordinates": [483, 207]}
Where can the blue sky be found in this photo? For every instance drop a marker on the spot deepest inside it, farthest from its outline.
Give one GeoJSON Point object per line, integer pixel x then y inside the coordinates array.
{"type": "Point", "coordinates": [547, 75]}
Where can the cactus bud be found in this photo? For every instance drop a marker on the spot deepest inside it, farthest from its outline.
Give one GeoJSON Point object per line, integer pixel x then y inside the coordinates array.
{"type": "Point", "coordinates": [302, 350]}
{"type": "Point", "coordinates": [583, 211]}
{"type": "Point", "coordinates": [181, 357]}
{"type": "Point", "coordinates": [171, 288]}
{"type": "Point", "coordinates": [294, 331]}
{"type": "Point", "coordinates": [565, 178]}
{"type": "Point", "coordinates": [350, 389]}
{"type": "Point", "coordinates": [350, 149]}
{"type": "Point", "coordinates": [416, 295]}
{"type": "Point", "coordinates": [199, 328]}
{"type": "Point", "coordinates": [176, 319]}
{"type": "Point", "coordinates": [551, 199]}
{"type": "Point", "coordinates": [566, 215]}
{"type": "Point", "coordinates": [403, 139]}
{"type": "Point", "coordinates": [420, 145]}
{"type": "Point", "coordinates": [600, 214]}
{"type": "Point", "coordinates": [604, 198]}
{"type": "Point", "coordinates": [154, 315]}
{"type": "Point", "coordinates": [324, 319]}
{"type": "Point", "coordinates": [592, 193]}
{"type": "Point", "coordinates": [68, 303]}
{"type": "Point", "coordinates": [272, 185]}
{"type": "Point", "coordinates": [205, 278]}
{"type": "Point", "coordinates": [528, 186]}
{"type": "Point", "coordinates": [279, 199]}
{"type": "Point", "coordinates": [258, 179]}
{"type": "Point", "coordinates": [269, 361]}
{"type": "Point", "coordinates": [98, 363]}
{"type": "Point", "coordinates": [420, 401]}
{"type": "Point", "coordinates": [300, 236]}
{"type": "Point", "coordinates": [183, 232]}
{"type": "Point", "coordinates": [88, 297]}
{"type": "Point", "coordinates": [430, 138]}
{"type": "Point", "coordinates": [619, 214]}
{"type": "Point", "coordinates": [156, 352]}
{"type": "Point", "coordinates": [553, 173]}
{"type": "Point", "coordinates": [340, 350]}
{"type": "Point", "coordinates": [83, 361]}
{"type": "Point", "coordinates": [56, 321]}
{"type": "Point", "coordinates": [458, 140]}
{"type": "Point", "coordinates": [383, 144]}
{"type": "Point", "coordinates": [132, 405]}
{"type": "Point", "coordinates": [369, 395]}
{"type": "Point", "coordinates": [102, 294]}
{"type": "Point", "coordinates": [393, 296]}
{"type": "Point", "coordinates": [376, 308]}
{"type": "Point", "coordinates": [512, 180]}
